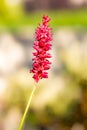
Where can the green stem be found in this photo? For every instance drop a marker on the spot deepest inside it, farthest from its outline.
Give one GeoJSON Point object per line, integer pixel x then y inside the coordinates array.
{"type": "Point", "coordinates": [26, 110]}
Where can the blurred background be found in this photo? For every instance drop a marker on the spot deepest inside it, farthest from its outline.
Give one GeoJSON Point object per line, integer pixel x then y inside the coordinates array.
{"type": "Point", "coordinates": [60, 102]}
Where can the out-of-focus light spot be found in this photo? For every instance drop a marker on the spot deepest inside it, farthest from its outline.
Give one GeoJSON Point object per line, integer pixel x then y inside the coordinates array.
{"type": "Point", "coordinates": [11, 54]}
{"type": "Point", "coordinates": [12, 119]}
{"type": "Point", "coordinates": [76, 2]}
{"type": "Point", "coordinates": [3, 85]}
{"type": "Point", "coordinates": [77, 126]}
{"type": "Point", "coordinates": [12, 2]}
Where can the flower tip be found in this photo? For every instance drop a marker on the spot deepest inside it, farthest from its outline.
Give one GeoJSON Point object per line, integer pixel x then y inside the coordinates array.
{"type": "Point", "coordinates": [46, 18]}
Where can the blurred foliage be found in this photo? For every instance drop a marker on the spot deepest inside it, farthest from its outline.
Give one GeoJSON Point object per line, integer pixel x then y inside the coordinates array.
{"type": "Point", "coordinates": [10, 14]}
{"type": "Point", "coordinates": [58, 101]}
{"type": "Point", "coordinates": [15, 16]}
{"type": "Point", "coordinates": [61, 108]}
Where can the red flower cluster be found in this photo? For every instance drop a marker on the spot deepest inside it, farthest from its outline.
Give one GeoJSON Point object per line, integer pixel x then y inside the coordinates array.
{"type": "Point", "coordinates": [42, 45]}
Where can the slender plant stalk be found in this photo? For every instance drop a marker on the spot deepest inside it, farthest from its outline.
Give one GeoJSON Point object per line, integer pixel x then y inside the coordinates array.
{"type": "Point", "coordinates": [27, 108]}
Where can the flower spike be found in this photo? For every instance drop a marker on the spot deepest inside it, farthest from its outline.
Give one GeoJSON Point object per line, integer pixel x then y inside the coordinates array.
{"type": "Point", "coordinates": [42, 45]}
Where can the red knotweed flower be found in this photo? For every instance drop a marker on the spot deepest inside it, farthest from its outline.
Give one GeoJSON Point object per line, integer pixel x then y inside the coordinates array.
{"type": "Point", "coordinates": [42, 45]}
